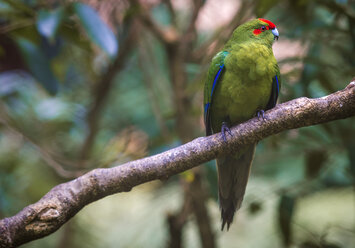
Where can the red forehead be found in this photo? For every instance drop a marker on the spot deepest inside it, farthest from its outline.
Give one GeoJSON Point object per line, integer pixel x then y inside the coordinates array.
{"type": "Point", "coordinates": [271, 25]}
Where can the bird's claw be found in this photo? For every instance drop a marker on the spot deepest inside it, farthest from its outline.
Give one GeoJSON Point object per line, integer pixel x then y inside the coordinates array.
{"type": "Point", "coordinates": [262, 114]}
{"type": "Point", "coordinates": [225, 128]}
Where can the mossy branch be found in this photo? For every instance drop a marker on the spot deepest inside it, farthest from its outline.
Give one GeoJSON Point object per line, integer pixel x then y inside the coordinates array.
{"type": "Point", "coordinates": [63, 201]}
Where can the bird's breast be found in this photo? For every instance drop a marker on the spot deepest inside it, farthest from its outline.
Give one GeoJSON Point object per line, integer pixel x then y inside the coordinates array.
{"type": "Point", "coordinates": [246, 84]}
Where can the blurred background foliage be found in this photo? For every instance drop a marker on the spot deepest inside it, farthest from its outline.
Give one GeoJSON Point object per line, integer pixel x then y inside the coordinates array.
{"type": "Point", "coordinates": [86, 84]}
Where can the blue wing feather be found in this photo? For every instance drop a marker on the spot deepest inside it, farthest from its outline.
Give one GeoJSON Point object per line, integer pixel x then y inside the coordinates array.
{"type": "Point", "coordinates": [217, 68]}
{"type": "Point", "coordinates": [216, 78]}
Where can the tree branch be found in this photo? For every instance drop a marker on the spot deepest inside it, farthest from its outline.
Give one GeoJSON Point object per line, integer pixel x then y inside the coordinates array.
{"type": "Point", "coordinates": [65, 200]}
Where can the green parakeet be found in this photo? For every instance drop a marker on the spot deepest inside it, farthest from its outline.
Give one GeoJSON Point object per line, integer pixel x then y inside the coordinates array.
{"type": "Point", "coordinates": [243, 81]}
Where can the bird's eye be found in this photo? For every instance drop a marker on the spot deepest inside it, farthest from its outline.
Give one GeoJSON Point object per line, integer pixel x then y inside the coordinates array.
{"type": "Point", "coordinates": [263, 28]}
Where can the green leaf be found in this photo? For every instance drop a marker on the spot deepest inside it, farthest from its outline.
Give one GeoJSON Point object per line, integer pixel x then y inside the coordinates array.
{"type": "Point", "coordinates": [48, 22]}
{"type": "Point", "coordinates": [38, 64]}
{"type": "Point", "coordinates": [19, 6]}
{"type": "Point", "coordinates": [96, 29]}
{"type": "Point", "coordinates": [5, 7]}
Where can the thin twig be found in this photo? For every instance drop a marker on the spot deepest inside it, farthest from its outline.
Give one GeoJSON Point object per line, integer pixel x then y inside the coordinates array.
{"type": "Point", "coordinates": [45, 155]}
{"type": "Point", "coordinates": [102, 90]}
{"type": "Point", "coordinates": [143, 60]}
{"type": "Point", "coordinates": [204, 53]}
{"type": "Point", "coordinates": [171, 11]}
{"type": "Point", "coordinates": [167, 35]}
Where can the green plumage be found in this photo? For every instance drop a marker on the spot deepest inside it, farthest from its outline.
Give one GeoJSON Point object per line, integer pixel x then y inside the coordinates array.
{"type": "Point", "coordinates": [242, 79]}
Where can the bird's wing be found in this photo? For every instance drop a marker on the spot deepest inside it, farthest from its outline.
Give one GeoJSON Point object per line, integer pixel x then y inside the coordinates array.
{"type": "Point", "coordinates": [213, 77]}
{"type": "Point", "coordinates": [275, 89]}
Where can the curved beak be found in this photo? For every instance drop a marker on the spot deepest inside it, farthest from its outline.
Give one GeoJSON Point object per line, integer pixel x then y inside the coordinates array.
{"type": "Point", "coordinates": [275, 32]}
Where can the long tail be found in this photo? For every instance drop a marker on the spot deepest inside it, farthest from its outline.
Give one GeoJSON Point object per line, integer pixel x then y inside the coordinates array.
{"type": "Point", "coordinates": [233, 174]}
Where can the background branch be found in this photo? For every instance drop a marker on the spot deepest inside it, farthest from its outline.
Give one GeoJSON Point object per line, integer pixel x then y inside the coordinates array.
{"type": "Point", "coordinates": [102, 90]}
{"type": "Point", "coordinates": [47, 156]}
{"type": "Point", "coordinates": [65, 200]}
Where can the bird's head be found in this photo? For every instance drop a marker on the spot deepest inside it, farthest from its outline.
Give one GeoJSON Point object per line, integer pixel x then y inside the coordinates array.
{"type": "Point", "coordinates": [263, 26]}
{"type": "Point", "coordinates": [260, 30]}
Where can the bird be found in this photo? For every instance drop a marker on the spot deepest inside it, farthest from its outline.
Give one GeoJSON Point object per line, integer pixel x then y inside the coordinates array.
{"type": "Point", "coordinates": [243, 81]}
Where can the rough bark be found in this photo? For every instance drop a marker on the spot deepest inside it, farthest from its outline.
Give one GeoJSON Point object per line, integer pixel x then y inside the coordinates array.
{"type": "Point", "coordinates": [65, 200]}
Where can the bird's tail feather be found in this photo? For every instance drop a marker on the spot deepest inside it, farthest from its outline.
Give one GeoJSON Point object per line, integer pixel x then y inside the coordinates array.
{"type": "Point", "coordinates": [233, 174]}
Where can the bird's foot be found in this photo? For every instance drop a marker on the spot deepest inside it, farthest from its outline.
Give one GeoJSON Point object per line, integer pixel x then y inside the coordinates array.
{"type": "Point", "coordinates": [261, 113]}
{"type": "Point", "coordinates": [225, 128]}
